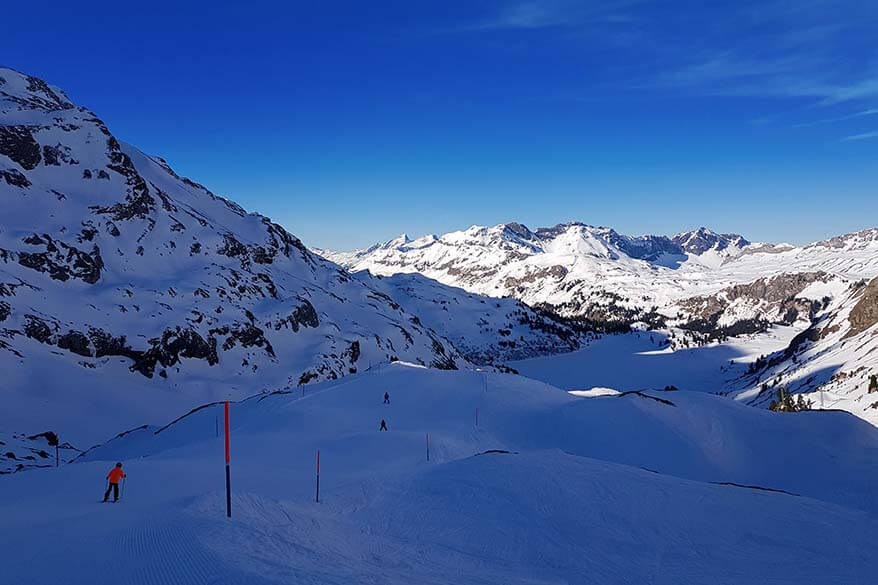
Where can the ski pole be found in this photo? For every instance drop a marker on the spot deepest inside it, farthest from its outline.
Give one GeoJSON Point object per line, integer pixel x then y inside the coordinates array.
{"type": "Point", "coordinates": [317, 499]}
{"type": "Point", "coordinates": [123, 489]}
{"type": "Point", "coordinates": [228, 473]}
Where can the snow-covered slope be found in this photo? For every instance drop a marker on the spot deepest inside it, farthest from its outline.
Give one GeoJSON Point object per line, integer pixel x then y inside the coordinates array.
{"type": "Point", "coordinates": [832, 362]}
{"type": "Point", "coordinates": [126, 289]}
{"type": "Point", "coordinates": [486, 330]}
{"type": "Point", "coordinates": [671, 488]}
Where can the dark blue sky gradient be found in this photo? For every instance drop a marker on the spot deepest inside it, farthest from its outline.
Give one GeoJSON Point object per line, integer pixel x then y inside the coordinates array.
{"type": "Point", "coordinates": [350, 122]}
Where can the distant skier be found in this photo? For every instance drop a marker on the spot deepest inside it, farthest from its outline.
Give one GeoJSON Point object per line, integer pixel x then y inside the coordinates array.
{"type": "Point", "coordinates": [386, 398]}
{"type": "Point", "coordinates": [383, 425]}
{"type": "Point", "coordinates": [114, 476]}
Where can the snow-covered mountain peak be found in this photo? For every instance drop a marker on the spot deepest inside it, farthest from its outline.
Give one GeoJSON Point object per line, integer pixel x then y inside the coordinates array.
{"type": "Point", "coordinates": [861, 240]}
{"type": "Point", "coordinates": [399, 241]}
{"type": "Point", "coordinates": [20, 92]}
{"type": "Point", "coordinates": [703, 240]}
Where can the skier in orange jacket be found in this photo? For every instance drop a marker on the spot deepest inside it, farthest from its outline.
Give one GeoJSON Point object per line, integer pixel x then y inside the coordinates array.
{"type": "Point", "coordinates": [114, 476]}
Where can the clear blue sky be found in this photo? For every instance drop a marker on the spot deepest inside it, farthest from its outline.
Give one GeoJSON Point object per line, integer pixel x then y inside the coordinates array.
{"type": "Point", "coordinates": [350, 122]}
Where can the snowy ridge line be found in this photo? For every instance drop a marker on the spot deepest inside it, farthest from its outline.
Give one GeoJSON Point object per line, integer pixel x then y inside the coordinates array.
{"type": "Point", "coordinates": [257, 397]}
{"type": "Point", "coordinates": [756, 487]}
{"type": "Point", "coordinates": [641, 394]}
{"type": "Point", "coordinates": [724, 483]}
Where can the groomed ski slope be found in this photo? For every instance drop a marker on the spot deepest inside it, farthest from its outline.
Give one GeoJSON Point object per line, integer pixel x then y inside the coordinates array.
{"type": "Point", "coordinates": [612, 489]}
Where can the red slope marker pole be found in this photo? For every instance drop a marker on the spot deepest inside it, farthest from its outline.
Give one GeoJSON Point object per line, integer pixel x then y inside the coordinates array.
{"type": "Point", "coordinates": [317, 499]}
{"type": "Point", "coordinates": [428, 446]}
{"type": "Point", "coordinates": [228, 474]}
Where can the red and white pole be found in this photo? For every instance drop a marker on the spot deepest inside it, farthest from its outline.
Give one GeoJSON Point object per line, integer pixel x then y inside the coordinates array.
{"type": "Point", "coordinates": [228, 474]}
{"type": "Point", "coordinates": [317, 499]}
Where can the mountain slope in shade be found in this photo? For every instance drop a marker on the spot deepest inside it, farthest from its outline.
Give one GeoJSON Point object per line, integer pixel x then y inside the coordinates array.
{"type": "Point", "coordinates": [124, 283]}
{"type": "Point", "coordinates": [486, 330]}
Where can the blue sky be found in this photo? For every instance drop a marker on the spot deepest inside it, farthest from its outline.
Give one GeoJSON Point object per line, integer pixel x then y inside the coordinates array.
{"type": "Point", "coordinates": [351, 122]}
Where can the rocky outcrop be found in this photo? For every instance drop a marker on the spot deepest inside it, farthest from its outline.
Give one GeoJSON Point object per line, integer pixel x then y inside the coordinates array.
{"type": "Point", "coordinates": [17, 143]}
{"type": "Point", "coordinates": [62, 261]}
{"type": "Point", "coordinates": [752, 307]}
{"type": "Point", "coordinates": [14, 178]}
{"type": "Point", "coordinates": [303, 315]}
{"type": "Point", "coordinates": [865, 313]}
{"type": "Point", "coordinates": [173, 345]}
{"type": "Point", "coordinates": [703, 240]}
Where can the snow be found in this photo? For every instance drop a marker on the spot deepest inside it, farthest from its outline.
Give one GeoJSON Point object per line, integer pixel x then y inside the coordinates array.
{"type": "Point", "coordinates": [615, 489]}
{"type": "Point", "coordinates": [594, 392]}
{"type": "Point", "coordinates": [635, 362]}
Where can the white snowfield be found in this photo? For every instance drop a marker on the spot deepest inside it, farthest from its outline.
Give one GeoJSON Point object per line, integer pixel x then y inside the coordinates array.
{"type": "Point", "coordinates": [632, 488]}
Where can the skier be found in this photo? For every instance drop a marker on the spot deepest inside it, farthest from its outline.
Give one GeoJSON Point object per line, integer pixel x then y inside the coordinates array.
{"type": "Point", "coordinates": [386, 398]}
{"type": "Point", "coordinates": [383, 425]}
{"type": "Point", "coordinates": [114, 476]}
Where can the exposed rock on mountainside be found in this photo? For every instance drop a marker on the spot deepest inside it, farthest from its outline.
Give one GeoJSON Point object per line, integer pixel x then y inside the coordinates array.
{"type": "Point", "coordinates": [865, 313]}
{"type": "Point", "coordinates": [752, 307]}
{"type": "Point", "coordinates": [703, 240]}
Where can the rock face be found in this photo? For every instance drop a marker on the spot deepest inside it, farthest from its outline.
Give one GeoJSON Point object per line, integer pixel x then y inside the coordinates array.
{"type": "Point", "coordinates": [865, 313]}
{"type": "Point", "coordinates": [110, 261]}
{"type": "Point", "coordinates": [752, 307]}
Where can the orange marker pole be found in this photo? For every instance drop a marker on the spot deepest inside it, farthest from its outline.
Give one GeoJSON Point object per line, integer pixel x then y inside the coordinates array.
{"type": "Point", "coordinates": [228, 474]}
{"type": "Point", "coordinates": [317, 499]}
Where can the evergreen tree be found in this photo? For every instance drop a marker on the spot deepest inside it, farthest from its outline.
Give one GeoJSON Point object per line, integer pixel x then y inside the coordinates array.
{"type": "Point", "coordinates": [785, 402]}
{"type": "Point", "coordinates": [873, 383]}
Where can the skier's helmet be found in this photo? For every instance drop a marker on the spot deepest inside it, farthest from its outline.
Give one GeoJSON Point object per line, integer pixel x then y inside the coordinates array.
{"type": "Point", "coordinates": [119, 464]}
